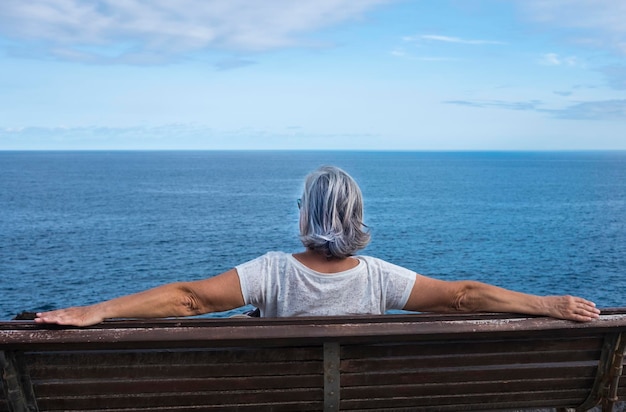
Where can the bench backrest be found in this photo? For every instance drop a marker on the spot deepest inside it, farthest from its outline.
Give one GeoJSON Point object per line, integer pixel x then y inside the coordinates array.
{"type": "Point", "coordinates": [405, 362]}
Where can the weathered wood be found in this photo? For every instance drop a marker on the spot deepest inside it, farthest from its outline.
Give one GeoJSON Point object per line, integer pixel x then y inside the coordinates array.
{"type": "Point", "coordinates": [16, 383]}
{"type": "Point", "coordinates": [614, 373]}
{"type": "Point", "coordinates": [403, 362]}
{"type": "Point", "coordinates": [332, 376]}
{"type": "Point", "coordinates": [292, 331]}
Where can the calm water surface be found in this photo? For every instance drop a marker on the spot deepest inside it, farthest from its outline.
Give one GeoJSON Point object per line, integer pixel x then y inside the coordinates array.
{"type": "Point", "coordinates": [79, 227]}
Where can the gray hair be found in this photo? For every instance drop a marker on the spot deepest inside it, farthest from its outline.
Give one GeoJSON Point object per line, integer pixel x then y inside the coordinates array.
{"type": "Point", "coordinates": [331, 214]}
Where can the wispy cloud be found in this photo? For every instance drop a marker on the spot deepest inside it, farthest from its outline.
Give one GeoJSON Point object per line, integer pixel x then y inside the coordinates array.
{"type": "Point", "coordinates": [500, 104]}
{"type": "Point", "coordinates": [153, 132]}
{"type": "Point", "coordinates": [593, 110]}
{"type": "Point", "coordinates": [590, 110]}
{"type": "Point", "coordinates": [595, 23]}
{"type": "Point", "coordinates": [404, 54]}
{"type": "Point", "coordinates": [168, 136]}
{"type": "Point", "coordinates": [553, 59]}
{"type": "Point", "coordinates": [233, 63]}
{"type": "Point", "coordinates": [400, 52]}
{"type": "Point", "coordinates": [449, 39]}
{"type": "Point", "coordinates": [172, 136]}
{"type": "Point", "coordinates": [423, 39]}
{"type": "Point", "coordinates": [616, 76]}
{"type": "Point", "coordinates": [131, 31]}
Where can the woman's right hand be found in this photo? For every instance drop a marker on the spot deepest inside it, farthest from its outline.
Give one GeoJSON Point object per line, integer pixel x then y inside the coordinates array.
{"type": "Point", "coordinates": [74, 316]}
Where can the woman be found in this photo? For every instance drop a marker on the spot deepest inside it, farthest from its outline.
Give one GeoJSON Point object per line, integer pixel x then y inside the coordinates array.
{"type": "Point", "coordinates": [325, 279]}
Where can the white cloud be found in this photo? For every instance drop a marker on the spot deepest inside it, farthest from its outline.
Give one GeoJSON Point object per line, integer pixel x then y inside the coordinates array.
{"type": "Point", "coordinates": [420, 40]}
{"type": "Point", "coordinates": [400, 52]}
{"type": "Point", "coordinates": [448, 39]}
{"type": "Point", "coordinates": [187, 136]}
{"type": "Point", "coordinates": [529, 105]}
{"type": "Point", "coordinates": [597, 14]}
{"type": "Point", "coordinates": [596, 23]}
{"type": "Point", "coordinates": [403, 54]}
{"type": "Point", "coordinates": [553, 59]}
{"type": "Point", "coordinates": [591, 110]}
{"type": "Point", "coordinates": [616, 76]}
{"type": "Point", "coordinates": [594, 110]}
{"type": "Point", "coordinates": [111, 30]}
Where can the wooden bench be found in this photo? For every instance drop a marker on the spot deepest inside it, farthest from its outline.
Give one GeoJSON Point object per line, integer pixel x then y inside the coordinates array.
{"type": "Point", "coordinates": [395, 362]}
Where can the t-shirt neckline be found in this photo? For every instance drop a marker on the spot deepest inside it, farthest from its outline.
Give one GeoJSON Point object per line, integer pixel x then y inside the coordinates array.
{"type": "Point", "coordinates": [301, 265]}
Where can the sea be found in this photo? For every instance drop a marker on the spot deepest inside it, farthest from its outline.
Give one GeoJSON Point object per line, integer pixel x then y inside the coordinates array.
{"type": "Point", "coordinates": [78, 227]}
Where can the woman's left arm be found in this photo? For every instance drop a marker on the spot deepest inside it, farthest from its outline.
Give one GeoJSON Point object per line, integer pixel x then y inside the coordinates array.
{"type": "Point", "coordinates": [433, 295]}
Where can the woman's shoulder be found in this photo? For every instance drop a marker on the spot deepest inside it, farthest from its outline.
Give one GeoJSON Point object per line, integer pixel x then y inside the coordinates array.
{"type": "Point", "coordinates": [278, 255]}
{"type": "Point", "coordinates": [266, 258]}
{"type": "Point", "coordinates": [371, 259]}
{"type": "Point", "coordinates": [275, 257]}
{"type": "Point", "coordinates": [274, 254]}
{"type": "Point", "coordinates": [382, 264]}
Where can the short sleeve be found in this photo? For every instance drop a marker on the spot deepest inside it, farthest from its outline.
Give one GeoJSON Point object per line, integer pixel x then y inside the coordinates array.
{"type": "Point", "coordinates": [252, 278]}
{"type": "Point", "coordinates": [398, 284]}
{"type": "Point", "coordinates": [398, 295]}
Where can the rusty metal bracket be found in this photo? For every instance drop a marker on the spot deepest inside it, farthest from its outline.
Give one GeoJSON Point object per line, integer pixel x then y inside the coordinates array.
{"type": "Point", "coordinates": [16, 382]}
{"type": "Point", "coordinates": [332, 384]}
{"type": "Point", "coordinates": [600, 392]}
{"type": "Point", "coordinates": [615, 373]}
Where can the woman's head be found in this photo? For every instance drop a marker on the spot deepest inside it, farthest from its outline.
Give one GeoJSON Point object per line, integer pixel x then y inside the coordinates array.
{"type": "Point", "coordinates": [331, 213]}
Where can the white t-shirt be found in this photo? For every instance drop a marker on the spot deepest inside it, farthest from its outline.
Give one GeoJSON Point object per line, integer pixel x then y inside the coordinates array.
{"type": "Point", "coordinates": [280, 285]}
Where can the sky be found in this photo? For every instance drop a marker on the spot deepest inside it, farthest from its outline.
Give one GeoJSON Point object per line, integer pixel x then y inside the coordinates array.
{"type": "Point", "coordinates": [313, 74]}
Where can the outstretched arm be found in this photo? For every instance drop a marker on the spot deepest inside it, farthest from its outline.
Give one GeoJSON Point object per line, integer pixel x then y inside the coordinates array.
{"type": "Point", "coordinates": [432, 295]}
{"type": "Point", "coordinates": [222, 292]}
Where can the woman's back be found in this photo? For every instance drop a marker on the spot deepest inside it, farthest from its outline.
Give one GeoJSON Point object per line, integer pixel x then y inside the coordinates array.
{"type": "Point", "coordinates": [279, 284]}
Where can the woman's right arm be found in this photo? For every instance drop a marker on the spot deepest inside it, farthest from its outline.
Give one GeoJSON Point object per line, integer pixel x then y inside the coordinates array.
{"type": "Point", "coordinates": [219, 293]}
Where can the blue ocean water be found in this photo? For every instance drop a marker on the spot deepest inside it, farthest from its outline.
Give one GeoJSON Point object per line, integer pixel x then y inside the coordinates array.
{"type": "Point", "coordinates": [79, 227]}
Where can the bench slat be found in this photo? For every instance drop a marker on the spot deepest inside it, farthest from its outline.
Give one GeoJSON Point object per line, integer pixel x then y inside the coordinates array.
{"type": "Point", "coordinates": [174, 364]}
{"type": "Point", "coordinates": [156, 385]}
{"type": "Point", "coordinates": [226, 399]}
{"type": "Point", "coordinates": [175, 371]}
{"type": "Point", "coordinates": [154, 356]}
{"type": "Point", "coordinates": [465, 403]}
{"type": "Point", "coordinates": [444, 388]}
{"type": "Point", "coordinates": [252, 407]}
{"type": "Point", "coordinates": [408, 362]}
{"type": "Point", "coordinates": [451, 376]}
{"type": "Point", "coordinates": [485, 346]}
